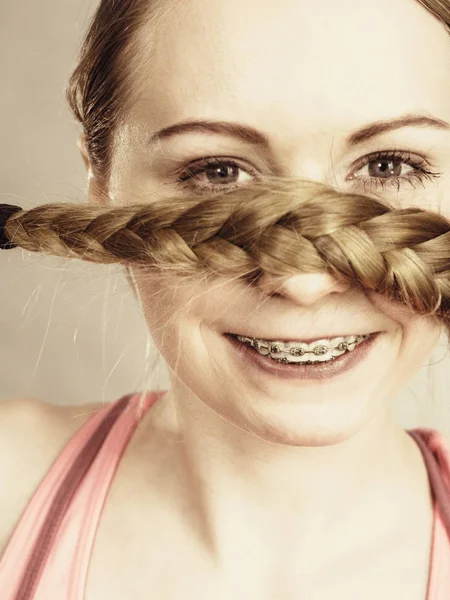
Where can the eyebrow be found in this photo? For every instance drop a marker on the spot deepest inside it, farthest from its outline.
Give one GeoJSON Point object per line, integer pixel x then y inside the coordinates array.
{"type": "Point", "coordinates": [379, 127]}
{"type": "Point", "coordinates": [251, 135]}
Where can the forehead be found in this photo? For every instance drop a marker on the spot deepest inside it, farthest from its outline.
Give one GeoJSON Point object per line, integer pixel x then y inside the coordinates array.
{"type": "Point", "coordinates": [328, 64]}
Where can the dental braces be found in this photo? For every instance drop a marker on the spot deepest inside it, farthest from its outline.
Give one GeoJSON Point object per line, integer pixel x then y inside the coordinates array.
{"type": "Point", "coordinates": [297, 351]}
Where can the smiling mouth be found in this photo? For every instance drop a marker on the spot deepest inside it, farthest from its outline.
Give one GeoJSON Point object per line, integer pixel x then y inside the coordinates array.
{"type": "Point", "coordinates": [302, 353]}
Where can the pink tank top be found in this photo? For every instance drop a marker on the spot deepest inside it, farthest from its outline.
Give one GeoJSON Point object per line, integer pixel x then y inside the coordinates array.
{"type": "Point", "coordinates": [48, 555]}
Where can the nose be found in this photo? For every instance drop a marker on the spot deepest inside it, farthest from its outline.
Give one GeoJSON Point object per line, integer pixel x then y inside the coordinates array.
{"type": "Point", "coordinates": [305, 289]}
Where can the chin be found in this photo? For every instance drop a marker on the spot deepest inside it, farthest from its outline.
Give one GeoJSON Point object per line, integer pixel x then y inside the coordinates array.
{"type": "Point", "coordinates": [302, 421]}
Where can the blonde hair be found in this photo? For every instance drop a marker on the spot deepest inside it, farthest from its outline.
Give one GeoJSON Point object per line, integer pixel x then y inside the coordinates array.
{"type": "Point", "coordinates": [280, 226]}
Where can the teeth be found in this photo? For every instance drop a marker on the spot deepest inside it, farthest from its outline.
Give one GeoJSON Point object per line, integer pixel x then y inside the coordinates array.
{"type": "Point", "coordinates": [297, 352]}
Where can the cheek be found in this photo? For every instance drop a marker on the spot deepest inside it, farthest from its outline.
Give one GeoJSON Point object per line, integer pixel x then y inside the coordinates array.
{"type": "Point", "coordinates": [418, 343]}
{"type": "Point", "coordinates": [160, 303]}
{"type": "Point", "coordinates": [419, 334]}
{"type": "Point", "coordinates": [172, 312]}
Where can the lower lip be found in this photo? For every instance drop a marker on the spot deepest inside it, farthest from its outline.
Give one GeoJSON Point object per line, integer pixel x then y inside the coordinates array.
{"type": "Point", "coordinates": [321, 370]}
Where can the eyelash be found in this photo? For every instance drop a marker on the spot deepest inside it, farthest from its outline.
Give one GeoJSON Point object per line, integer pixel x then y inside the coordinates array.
{"type": "Point", "coordinates": [419, 175]}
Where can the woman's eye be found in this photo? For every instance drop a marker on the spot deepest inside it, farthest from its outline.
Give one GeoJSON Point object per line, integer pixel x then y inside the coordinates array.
{"type": "Point", "coordinates": [393, 168]}
{"type": "Point", "coordinates": [215, 175]}
{"type": "Point", "coordinates": [386, 168]}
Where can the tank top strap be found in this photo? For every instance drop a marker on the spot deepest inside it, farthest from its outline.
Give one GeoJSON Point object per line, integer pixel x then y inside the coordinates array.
{"type": "Point", "coordinates": [436, 454]}
{"type": "Point", "coordinates": [51, 546]}
{"type": "Point", "coordinates": [73, 552]}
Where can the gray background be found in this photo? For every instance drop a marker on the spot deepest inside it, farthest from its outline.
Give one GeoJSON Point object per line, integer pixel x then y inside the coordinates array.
{"type": "Point", "coordinates": [72, 332]}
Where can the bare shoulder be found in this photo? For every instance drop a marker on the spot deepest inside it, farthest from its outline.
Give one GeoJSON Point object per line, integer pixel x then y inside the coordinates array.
{"type": "Point", "coordinates": [32, 434]}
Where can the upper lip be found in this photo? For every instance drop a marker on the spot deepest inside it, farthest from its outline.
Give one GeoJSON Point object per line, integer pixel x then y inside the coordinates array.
{"type": "Point", "coordinates": [306, 340]}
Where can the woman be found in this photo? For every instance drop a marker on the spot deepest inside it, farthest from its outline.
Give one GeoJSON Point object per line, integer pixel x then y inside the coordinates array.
{"type": "Point", "coordinates": [275, 178]}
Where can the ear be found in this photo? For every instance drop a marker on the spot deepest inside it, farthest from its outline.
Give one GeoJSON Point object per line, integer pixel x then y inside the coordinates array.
{"type": "Point", "coordinates": [95, 195]}
{"type": "Point", "coordinates": [83, 151]}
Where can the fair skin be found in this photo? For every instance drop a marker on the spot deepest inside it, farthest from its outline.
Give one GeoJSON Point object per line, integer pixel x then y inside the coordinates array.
{"type": "Point", "coordinates": [275, 474]}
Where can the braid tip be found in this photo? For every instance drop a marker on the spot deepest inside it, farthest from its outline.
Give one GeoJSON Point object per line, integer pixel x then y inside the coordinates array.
{"type": "Point", "coordinates": [6, 211]}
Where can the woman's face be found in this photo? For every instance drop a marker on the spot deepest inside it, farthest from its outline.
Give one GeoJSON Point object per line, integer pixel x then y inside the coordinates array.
{"type": "Point", "coordinates": [306, 75]}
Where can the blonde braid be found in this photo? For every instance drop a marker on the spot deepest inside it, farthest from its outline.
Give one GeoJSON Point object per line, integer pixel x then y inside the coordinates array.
{"type": "Point", "coordinates": [279, 227]}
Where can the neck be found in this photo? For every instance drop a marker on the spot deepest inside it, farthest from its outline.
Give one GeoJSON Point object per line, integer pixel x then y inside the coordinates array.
{"type": "Point", "coordinates": [241, 487]}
